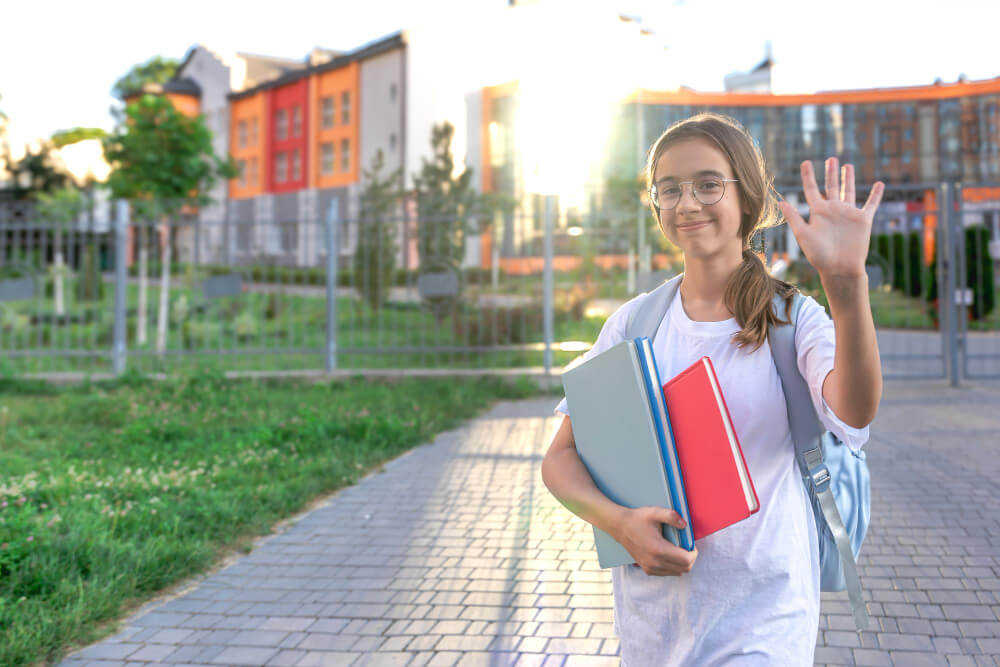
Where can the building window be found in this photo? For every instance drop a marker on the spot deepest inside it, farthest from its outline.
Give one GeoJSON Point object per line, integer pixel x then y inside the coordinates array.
{"type": "Point", "coordinates": [253, 172]}
{"type": "Point", "coordinates": [242, 165]}
{"type": "Point", "coordinates": [345, 155]}
{"type": "Point", "coordinates": [908, 134]}
{"type": "Point", "coordinates": [326, 158]}
{"type": "Point", "coordinates": [281, 167]}
{"type": "Point", "coordinates": [253, 131]}
{"type": "Point", "coordinates": [345, 108]}
{"type": "Point", "coordinates": [281, 125]}
{"type": "Point", "coordinates": [297, 122]}
{"type": "Point", "coordinates": [392, 142]}
{"type": "Point", "coordinates": [392, 93]}
{"type": "Point", "coordinates": [907, 157]}
{"type": "Point", "coordinates": [328, 112]}
{"type": "Point", "coordinates": [296, 165]}
{"type": "Point", "coordinates": [241, 134]}
{"type": "Point", "coordinates": [289, 237]}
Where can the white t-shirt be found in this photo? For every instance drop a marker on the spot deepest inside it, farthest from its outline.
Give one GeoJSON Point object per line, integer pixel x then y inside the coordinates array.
{"type": "Point", "coordinates": [753, 594]}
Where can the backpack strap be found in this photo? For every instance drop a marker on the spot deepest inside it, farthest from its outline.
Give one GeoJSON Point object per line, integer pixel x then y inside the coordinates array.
{"type": "Point", "coordinates": [645, 318]}
{"type": "Point", "coordinates": [807, 434]}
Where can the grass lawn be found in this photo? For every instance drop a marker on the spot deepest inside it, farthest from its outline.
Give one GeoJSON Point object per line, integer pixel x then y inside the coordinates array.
{"type": "Point", "coordinates": [110, 492]}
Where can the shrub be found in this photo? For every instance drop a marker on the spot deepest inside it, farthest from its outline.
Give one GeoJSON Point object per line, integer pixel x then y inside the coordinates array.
{"type": "Point", "coordinates": [915, 267]}
{"type": "Point", "coordinates": [979, 271]}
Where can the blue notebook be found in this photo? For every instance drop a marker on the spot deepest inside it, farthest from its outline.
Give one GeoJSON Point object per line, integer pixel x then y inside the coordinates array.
{"type": "Point", "coordinates": [622, 437]}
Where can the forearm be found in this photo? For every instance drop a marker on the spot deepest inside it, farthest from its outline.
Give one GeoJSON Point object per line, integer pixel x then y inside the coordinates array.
{"type": "Point", "coordinates": [567, 478]}
{"type": "Point", "coordinates": [853, 388]}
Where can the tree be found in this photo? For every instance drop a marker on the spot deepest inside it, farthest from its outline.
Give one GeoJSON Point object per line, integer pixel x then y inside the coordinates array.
{"type": "Point", "coordinates": [155, 70]}
{"type": "Point", "coordinates": [443, 203]}
{"type": "Point", "coordinates": [67, 137]}
{"type": "Point", "coordinates": [375, 258]}
{"type": "Point", "coordinates": [163, 160]}
{"type": "Point", "coordinates": [37, 171]}
{"type": "Point", "coordinates": [60, 208]}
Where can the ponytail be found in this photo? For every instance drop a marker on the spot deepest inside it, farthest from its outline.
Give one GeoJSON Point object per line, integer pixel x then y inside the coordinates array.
{"type": "Point", "coordinates": [749, 294]}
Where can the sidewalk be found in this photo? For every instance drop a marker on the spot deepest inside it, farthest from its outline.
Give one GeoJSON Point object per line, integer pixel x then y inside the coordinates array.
{"type": "Point", "coordinates": [457, 554]}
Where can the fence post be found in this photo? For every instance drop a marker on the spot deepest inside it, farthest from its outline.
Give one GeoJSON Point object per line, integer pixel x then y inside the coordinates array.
{"type": "Point", "coordinates": [118, 342]}
{"type": "Point", "coordinates": [547, 278]}
{"type": "Point", "coordinates": [332, 222]}
{"type": "Point", "coordinates": [950, 281]}
{"type": "Point", "coordinates": [961, 278]}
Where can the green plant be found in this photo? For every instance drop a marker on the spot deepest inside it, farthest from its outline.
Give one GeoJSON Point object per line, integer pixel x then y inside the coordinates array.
{"type": "Point", "coordinates": [915, 268]}
{"type": "Point", "coordinates": [979, 271]}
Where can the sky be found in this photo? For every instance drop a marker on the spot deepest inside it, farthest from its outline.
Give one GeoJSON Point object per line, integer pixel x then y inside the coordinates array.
{"type": "Point", "coordinates": [59, 59]}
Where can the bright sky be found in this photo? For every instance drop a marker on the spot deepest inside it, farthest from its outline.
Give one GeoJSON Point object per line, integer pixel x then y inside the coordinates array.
{"type": "Point", "coordinates": [59, 59]}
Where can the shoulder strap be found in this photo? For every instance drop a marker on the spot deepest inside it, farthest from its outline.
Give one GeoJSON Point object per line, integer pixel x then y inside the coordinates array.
{"type": "Point", "coordinates": [644, 320]}
{"type": "Point", "coordinates": [807, 434]}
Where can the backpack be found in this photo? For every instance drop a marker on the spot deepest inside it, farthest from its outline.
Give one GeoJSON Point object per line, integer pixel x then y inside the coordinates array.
{"type": "Point", "coordinates": [835, 476]}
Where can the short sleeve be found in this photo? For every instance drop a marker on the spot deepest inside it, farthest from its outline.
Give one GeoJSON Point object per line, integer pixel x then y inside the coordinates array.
{"type": "Point", "coordinates": [815, 345]}
{"type": "Point", "coordinates": [612, 333]}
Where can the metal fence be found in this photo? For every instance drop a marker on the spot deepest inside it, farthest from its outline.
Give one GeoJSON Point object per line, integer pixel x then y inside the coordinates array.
{"type": "Point", "coordinates": [525, 291]}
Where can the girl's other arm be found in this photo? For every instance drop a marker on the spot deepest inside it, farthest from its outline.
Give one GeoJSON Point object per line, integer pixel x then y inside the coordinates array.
{"type": "Point", "coordinates": [638, 530]}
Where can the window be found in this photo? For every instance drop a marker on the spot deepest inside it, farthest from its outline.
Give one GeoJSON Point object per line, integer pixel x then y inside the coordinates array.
{"type": "Point", "coordinates": [328, 112]}
{"type": "Point", "coordinates": [242, 165]}
{"type": "Point", "coordinates": [281, 167]}
{"type": "Point", "coordinates": [297, 122]}
{"type": "Point", "coordinates": [345, 155]}
{"type": "Point", "coordinates": [326, 158]}
{"type": "Point", "coordinates": [241, 134]}
{"type": "Point", "coordinates": [289, 237]}
{"type": "Point", "coordinates": [253, 132]}
{"type": "Point", "coordinates": [908, 134]}
{"type": "Point", "coordinates": [345, 107]}
{"type": "Point", "coordinates": [281, 124]}
{"type": "Point", "coordinates": [252, 177]}
{"type": "Point", "coordinates": [392, 142]}
{"type": "Point", "coordinates": [392, 93]}
{"type": "Point", "coordinates": [907, 157]}
{"type": "Point", "coordinates": [296, 165]}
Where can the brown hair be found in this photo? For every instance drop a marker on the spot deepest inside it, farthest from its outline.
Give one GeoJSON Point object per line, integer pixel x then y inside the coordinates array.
{"type": "Point", "coordinates": [751, 288]}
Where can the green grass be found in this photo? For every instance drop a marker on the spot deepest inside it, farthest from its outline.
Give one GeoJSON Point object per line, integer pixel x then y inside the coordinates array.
{"type": "Point", "coordinates": [110, 492]}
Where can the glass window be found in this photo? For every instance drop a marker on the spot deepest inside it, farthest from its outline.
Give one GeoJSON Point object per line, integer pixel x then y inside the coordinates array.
{"type": "Point", "coordinates": [253, 131]}
{"type": "Point", "coordinates": [296, 165]}
{"type": "Point", "coordinates": [297, 122]}
{"type": "Point", "coordinates": [392, 92]}
{"type": "Point", "coordinates": [242, 165]}
{"type": "Point", "coordinates": [241, 133]}
{"type": "Point", "coordinates": [907, 157]}
{"type": "Point", "coordinates": [345, 155]}
{"type": "Point", "coordinates": [392, 142]}
{"type": "Point", "coordinates": [328, 112]}
{"type": "Point", "coordinates": [289, 237]}
{"type": "Point", "coordinates": [281, 167]}
{"type": "Point", "coordinates": [345, 107]}
{"type": "Point", "coordinates": [253, 171]}
{"type": "Point", "coordinates": [908, 134]}
{"type": "Point", "coordinates": [326, 158]}
{"type": "Point", "coordinates": [281, 124]}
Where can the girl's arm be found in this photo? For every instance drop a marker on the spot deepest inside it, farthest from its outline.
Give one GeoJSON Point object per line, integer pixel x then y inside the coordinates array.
{"type": "Point", "coordinates": [835, 241]}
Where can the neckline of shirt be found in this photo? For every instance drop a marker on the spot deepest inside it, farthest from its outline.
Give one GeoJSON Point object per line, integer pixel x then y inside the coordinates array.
{"type": "Point", "coordinates": [679, 318]}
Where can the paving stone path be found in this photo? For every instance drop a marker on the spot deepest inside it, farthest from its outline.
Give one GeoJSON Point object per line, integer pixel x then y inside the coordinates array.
{"type": "Point", "coordinates": [456, 554]}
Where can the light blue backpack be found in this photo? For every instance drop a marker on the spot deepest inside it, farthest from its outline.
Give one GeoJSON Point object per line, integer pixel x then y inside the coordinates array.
{"type": "Point", "coordinates": [835, 476]}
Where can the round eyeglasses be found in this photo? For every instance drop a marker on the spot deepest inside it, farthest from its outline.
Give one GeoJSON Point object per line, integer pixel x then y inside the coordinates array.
{"type": "Point", "coordinates": [706, 191]}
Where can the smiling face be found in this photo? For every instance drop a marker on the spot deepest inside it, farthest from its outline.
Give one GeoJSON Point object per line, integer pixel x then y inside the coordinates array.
{"type": "Point", "coordinates": [700, 231]}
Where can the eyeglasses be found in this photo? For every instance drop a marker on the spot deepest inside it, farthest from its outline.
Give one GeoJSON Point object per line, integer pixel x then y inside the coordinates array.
{"type": "Point", "coordinates": [706, 191]}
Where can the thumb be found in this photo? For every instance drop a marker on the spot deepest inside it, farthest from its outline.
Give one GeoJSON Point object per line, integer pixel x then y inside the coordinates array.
{"type": "Point", "coordinates": [670, 517]}
{"type": "Point", "coordinates": [793, 218]}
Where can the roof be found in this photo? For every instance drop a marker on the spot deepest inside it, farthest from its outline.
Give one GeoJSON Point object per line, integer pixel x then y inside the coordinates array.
{"type": "Point", "coordinates": [369, 50]}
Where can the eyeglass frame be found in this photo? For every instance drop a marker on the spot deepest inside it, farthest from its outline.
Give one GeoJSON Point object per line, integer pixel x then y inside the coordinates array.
{"type": "Point", "coordinates": [655, 199]}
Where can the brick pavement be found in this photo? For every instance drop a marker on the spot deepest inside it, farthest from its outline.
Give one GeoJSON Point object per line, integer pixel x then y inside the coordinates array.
{"type": "Point", "coordinates": [457, 554]}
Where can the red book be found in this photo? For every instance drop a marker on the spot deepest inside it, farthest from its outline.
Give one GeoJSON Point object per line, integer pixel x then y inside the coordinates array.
{"type": "Point", "coordinates": [717, 482]}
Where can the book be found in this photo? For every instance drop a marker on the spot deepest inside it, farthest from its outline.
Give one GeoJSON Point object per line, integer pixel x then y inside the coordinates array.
{"type": "Point", "coordinates": [618, 432]}
{"type": "Point", "coordinates": [717, 481]}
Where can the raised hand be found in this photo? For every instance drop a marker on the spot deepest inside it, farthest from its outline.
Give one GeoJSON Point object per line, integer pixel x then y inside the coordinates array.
{"type": "Point", "coordinates": [836, 238]}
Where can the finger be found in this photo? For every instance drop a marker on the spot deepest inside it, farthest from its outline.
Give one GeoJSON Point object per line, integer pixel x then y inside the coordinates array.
{"type": "Point", "coordinates": [670, 517]}
{"type": "Point", "coordinates": [832, 179]}
{"type": "Point", "coordinates": [793, 218]}
{"type": "Point", "coordinates": [874, 199]}
{"type": "Point", "coordinates": [847, 185]}
{"type": "Point", "coordinates": [809, 187]}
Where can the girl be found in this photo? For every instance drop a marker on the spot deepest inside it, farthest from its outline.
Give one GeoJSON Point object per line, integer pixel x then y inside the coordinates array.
{"type": "Point", "coordinates": [748, 594]}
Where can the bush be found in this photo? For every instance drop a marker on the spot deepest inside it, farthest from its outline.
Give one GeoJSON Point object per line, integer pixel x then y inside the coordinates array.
{"type": "Point", "coordinates": [979, 271]}
{"type": "Point", "coordinates": [898, 261]}
{"type": "Point", "coordinates": [915, 267]}
{"type": "Point", "coordinates": [499, 325]}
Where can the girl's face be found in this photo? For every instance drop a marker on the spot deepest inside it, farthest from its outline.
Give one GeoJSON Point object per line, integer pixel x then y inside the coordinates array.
{"type": "Point", "coordinates": [699, 230]}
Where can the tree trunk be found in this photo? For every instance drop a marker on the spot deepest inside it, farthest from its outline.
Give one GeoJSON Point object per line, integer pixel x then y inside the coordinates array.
{"type": "Point", "coordinates": [143, 284]}
{"type": "Point", "coordinates": [161, 317]}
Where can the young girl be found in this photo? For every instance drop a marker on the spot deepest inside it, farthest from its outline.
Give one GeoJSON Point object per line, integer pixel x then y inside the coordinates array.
{"type": "Point", "coordinates": [748, 594]}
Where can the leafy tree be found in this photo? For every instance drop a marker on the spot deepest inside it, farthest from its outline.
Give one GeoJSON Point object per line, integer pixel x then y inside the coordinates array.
{"type": "Point", "coordinates": [375, 258]}
{"type": "Point", "coordinates": [155, 70]}
{"type": "Point", "coordinates": [444, 201]}
{"type": "Point", "coordinates": [60, 208]}
{"type": "Point", "coordinates": [37, 171]}
{"type": "Point", "coordinates": [979, 271]}
{"type": "Point", "coordinates": [67, 137]}
{"type": "Point", "coordinates": [164, 161]}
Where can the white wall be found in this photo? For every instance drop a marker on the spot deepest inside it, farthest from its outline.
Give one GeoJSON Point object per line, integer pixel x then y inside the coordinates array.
{"type": "Point", "coordinates": [381, 116]}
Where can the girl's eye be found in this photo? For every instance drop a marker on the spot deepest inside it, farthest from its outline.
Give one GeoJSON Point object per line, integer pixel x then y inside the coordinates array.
{"type": "Point", "coordinates": [671, 191]}
{"type": "Point", "coordinates": [709, 186]}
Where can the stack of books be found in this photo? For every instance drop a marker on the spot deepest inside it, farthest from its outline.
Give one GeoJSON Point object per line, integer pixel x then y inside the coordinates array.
{"type": "Point", "coordinates": [646, 443]}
